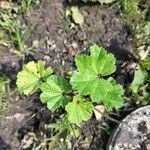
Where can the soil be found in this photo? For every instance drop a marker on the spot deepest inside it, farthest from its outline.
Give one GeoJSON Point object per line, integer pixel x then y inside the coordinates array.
{"type": "Point", "coordinates": [58, 46]}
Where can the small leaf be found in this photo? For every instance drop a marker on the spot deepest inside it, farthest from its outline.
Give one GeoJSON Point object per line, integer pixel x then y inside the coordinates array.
{"type": "Point", "coordinates": [43, 72]}
{"type": "Point", "coordinates": [29, 79]}
{"type": "Point", "coordinates": [60, 126]}
{"type": "Point", "coordinates": [138, 80]}
{"type": "Point", "coordinates": [79, 110]}
{"type": "Point", "coordinates": [52, 92]}
{"type": "Point", "coordinates": [77, 16]}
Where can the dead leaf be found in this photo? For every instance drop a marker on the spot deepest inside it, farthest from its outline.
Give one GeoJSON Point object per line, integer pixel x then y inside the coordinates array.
{"type": "Point", "coordinates": [98, 111]}
{"type": "Point", "coordinates": [28, 140]}
{"type": "Point", "coordinates": [5, 5]}
{"type": "Point", "coordinates": [77, 17]}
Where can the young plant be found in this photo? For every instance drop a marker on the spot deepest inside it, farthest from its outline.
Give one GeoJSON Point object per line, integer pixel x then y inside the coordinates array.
{"type": "Point", "coordinates": [140, 87]}
{"type": "Point", "coordinates": [89, 84]}
{"type": "Point", "coordinates": [25, 6]}
{"type": "Point", "coordinates": [10, 24]}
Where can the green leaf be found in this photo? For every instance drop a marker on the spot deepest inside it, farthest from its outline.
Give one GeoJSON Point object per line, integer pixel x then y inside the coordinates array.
{"type": "Point", "coordinates": [30, 78]}
{"type": "Point", "coordinates": [83, 81]}
{"type": "Point", "coordinates": [65, 126]}
{"type": "Point", "coordinates": [146, 63]}
{"type": "Point", "coordinates": [97, 52]}
{"type": "Point", "coordinates": [139, 77]}
{"type": "Point", "coordinates": [90, 67]}
{"type": "Point", "coordinates": [130, 6]}
{"type": "Point", "coordinates": [107, 93]}
{"type": "Point", "coordinates": [102, 63]}
{"type": "Point", "coordinates": [100, 90]}
{"type": "Point", "coordinates": [79, 110]}
{"type": "Point", "coordinates": [114, 98]}
{"type": "Point", "coordinates": [42, 71]}
{"type": "Point", "coordinates": [62, 125]}
{"type": "Point", "coordinates": [99, 63]}
{"type": "Point", "coordinates": [83, 62]}
{"type": "Point", "coordinates": [88, 79]}
{"type": "Point", "coordinates": [53, 92]}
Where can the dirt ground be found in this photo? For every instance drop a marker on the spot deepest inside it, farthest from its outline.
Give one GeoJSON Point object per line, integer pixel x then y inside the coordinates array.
{"type": "Point", "coordinates": [59, 45]}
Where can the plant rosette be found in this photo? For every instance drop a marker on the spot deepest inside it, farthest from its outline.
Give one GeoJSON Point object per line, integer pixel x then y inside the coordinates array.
{"type": "Point", "coordinates": [89, 85]}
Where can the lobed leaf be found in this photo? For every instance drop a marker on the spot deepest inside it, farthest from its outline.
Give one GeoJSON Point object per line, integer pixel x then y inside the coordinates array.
{"type": "Point", "coordinates": [114, 98]}
{"type": "Point", "coordinates": [83, 81]}
{"type": "Point", "coordinates": [30, 78]}
{"type": "Point", "coordinates": [99, 91]}
{"type": "Point", "coordinates": [107, 93]}
{"type": "Point", "coordinates": [88, 79]}
{"type": "Point", "coordinates": [102, 63]}
{"type": "Point", "coordinates": [83, 62]}
{"type": "Point", "coordinates": [79, 110]}
{"type": "Point", "coordinates": [53, 92]}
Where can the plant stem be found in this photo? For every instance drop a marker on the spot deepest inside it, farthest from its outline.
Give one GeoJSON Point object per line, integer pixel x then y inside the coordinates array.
{"type": "Point", "coordinates": [53, 144]}
{"type": "Point", "coordinates": [73, 131]}
{"type": "Point", "coordinates": [19, 40]}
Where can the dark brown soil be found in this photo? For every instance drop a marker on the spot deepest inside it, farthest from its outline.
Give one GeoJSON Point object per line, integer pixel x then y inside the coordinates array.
{"type": "Point", "coordinates": [59, 45]}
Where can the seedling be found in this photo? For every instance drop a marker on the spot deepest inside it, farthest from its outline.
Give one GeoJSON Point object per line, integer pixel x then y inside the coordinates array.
{"type": "Point", "coordinates": [10, 24]}
{"type": "Point", "coordinates": [89, 84]}
{"type": "Point", "coordinates": [18, 37]}
{"type": "Point", "coordinates": [130, 7]}
{"type": "Point", "coordinates": [140, 85]}
{"type": "Point", "coordinates": [25, 6]}
{"type": "Point", "coordinates": [6, 21]}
